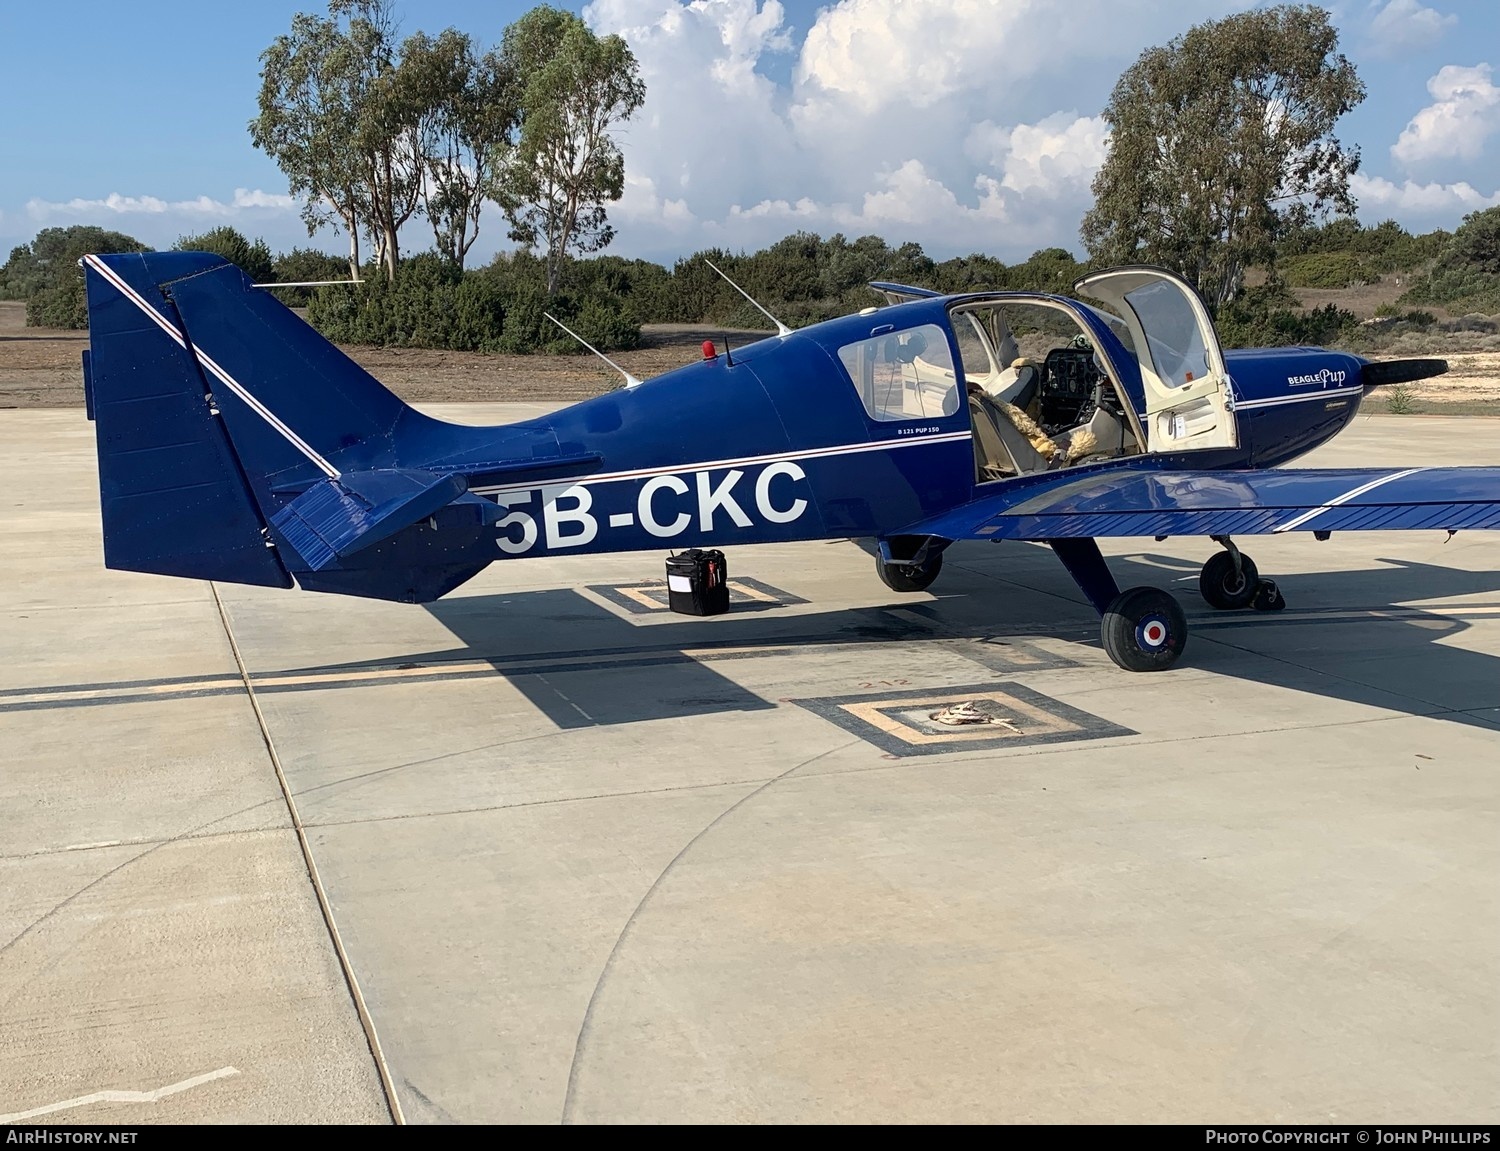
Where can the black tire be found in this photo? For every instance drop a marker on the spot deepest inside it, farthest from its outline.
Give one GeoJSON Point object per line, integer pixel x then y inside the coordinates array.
{"type": "Point", "coordinates": [1222, 588]}
{"type": "Point", "coordinates": [907, 576]}
{"type": "Point", "coordinates": [1144, 629]}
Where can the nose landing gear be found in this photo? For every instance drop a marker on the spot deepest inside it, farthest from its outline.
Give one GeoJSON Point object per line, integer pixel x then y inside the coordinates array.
{"type": "Point", "coordinates": [909, 563]}
{"type": "Point", "coordinates": [1229, 581]}
{"type": "Point", "coordinates": [909, 576]}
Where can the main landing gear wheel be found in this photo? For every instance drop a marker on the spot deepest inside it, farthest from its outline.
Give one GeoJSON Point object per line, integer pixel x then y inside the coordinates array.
{"type": "Point", "coordinates": [908, 576]}
{"type": "Point", "coordinates": [1144, 629]}
{"type": "Point", "coordinates": [1225, 588]}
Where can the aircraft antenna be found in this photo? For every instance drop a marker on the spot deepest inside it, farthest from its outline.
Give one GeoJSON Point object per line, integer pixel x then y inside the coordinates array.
{"type": "Point", "coordinates": [781, 329]}
{"type": "Point", "coordinates": [630, 381]}
{"type": "Point", "coordinates": [306, 283]}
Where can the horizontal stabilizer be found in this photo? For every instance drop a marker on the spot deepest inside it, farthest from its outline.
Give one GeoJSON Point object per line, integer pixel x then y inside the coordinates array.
{"type": "Point", "coordinates": [532, 467]}
{"type": "Point", "coordinates": [336, 518]}
{"type": "Point", "coordinates": [1400, 372]}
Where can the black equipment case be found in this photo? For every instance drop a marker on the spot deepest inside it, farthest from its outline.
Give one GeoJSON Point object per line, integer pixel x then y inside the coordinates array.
{"type": "Point", "coordinates": [698, 582]}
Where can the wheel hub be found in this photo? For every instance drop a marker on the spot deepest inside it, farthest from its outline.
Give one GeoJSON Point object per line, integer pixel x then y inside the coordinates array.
{"type": "Point", "coordinates": [1152, 634]}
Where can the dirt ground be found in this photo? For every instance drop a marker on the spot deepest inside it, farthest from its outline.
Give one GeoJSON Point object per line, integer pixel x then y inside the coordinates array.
{"type": "Point", "coordinates": [40, 368]}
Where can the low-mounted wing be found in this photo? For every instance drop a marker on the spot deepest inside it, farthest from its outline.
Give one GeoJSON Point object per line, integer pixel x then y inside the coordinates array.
{"type": "Point", "coordinates": [1135, 501]}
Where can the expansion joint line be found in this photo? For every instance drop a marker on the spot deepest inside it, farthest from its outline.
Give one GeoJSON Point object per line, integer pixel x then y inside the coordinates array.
{"type": "Point", "coordinates": [393, 1103]}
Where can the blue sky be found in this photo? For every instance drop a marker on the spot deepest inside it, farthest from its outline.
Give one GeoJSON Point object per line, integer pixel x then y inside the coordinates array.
{"type": "Point", "coordinates": [966, 125]}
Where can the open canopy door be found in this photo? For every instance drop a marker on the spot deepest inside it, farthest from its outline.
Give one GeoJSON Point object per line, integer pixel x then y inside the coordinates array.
{"type": "Point", "coordinates": [1188, 401]}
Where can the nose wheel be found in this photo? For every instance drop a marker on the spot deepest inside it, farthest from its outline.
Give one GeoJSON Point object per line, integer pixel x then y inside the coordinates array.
{"type": "Point", "coordinates": [900, 576]}
{"type": "Point", "coordinates": [1229, 581]}
{"type": "Point", "coordinates": [1226, 584]}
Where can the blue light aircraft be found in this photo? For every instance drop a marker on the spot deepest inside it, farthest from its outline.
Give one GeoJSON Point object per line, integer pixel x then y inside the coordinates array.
{"type": "Point", "coordinates": [237, 444]}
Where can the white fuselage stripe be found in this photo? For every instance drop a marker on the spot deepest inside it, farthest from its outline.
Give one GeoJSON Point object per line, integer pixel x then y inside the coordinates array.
{"type": "Point", "coordinates": [1275, 401]}
{"type": "Point", "coordinates": [742, 461]}
{"type": "Point", "coordinates": [1345, 498]}
{"type": "Point", "coordinates": [207, 361]}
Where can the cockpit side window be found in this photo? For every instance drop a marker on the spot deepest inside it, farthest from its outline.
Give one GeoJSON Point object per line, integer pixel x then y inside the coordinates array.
{"type": "Point", "coordinates": [1117, 326]}
{"type": "Point", "coordinates": [903, 375]}
{"type": "Point", "coordinates": [1172, 331]}
{"type": "Point", "coordinates": [974, 349]}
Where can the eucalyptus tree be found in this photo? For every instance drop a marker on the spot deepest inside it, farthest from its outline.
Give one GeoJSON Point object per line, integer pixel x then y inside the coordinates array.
{"type": "Point", "coordinates": [341, 119]}
{"type": "Point", "coordinates": [565, 167]}
{"type": "Point", "coordinates": [469, 112]}
{"type": "Point", "coordinates": [307, 101]}
{"type": "Point", "coordinates": [1221, 140]}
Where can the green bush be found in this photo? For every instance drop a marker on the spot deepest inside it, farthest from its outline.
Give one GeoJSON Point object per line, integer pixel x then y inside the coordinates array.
{"type": "Point", "coordinates": [1324, 270]}
{"type": "Point", "coordinates": [1466, 274]}
{"type": "Point", "coordinates": [431, 304]}
{"type": "Point", "coordinates": [1264, 317]}
{"type": "Point", "coordinates": [254, 259]}
{"type": "Point", "coordinates": [58, 306]}
{"type": "Point", "coordinates": [45, 273]}
{"type": "Point", "coordinates": [302, 265]}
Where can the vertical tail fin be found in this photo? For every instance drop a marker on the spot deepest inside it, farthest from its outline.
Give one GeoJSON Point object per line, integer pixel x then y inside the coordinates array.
{"type": "Point", "coordinates": [174, 497]}
{"type": "Point", "coordinates": [236, 443]}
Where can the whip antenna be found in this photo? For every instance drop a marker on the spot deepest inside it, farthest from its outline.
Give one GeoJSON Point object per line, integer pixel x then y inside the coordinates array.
{"type": "Point", "coordinates": [306, 283]}
{"type": "Point", "coordinates": [630, 381]}
{"type": "Point", "coordinates": [781, 329]}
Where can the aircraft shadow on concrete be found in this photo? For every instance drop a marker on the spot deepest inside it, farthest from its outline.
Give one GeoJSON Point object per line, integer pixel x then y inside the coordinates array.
{"type": "Point", "coordinates": [583, 665]}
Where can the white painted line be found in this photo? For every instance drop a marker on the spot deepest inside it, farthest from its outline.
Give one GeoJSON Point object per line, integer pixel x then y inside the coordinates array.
{"type": "Point", "coordinates": [122, 1096]}
{"type": "Point", "coordinates": [1298, 521]}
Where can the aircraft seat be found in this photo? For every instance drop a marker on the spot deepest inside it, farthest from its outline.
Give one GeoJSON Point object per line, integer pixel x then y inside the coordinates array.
{"type": "Point", "coordinates": [1001, 449]}
{"type": "Point", "coordinates": [1016, 384]}
{"type": "Point", "coordinates": [1107, 431]}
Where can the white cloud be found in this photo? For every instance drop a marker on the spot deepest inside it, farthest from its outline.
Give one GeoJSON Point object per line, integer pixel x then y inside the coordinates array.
{"type": "Point", "coordinates": [197, 210]}
{"type": "Point", "coordinates": [874, 52]}
{"type": "Point", "coordinates": [911, 198]}
{"type": "Point", "coordinates": [803, 210]}
{"type": "Point", "coordinates": [642, 202]}
{"type": "Point", "coordinates": [1057, 156]}
{"type": "Point", "coordinates": [921, 121]}
{"type": "Point", "coordinates": [1465, 109]}
{"type": "Point", "coordinates": [1405, 26]}
{"type": "Point", "coordinates": [710, 133]}
{"type": "Point", "coordinates": [1032, 200]}
{"type": "Point", "coordinates": [1380, 198]}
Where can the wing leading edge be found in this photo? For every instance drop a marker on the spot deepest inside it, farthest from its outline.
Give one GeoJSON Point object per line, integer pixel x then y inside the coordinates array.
{"type": "Point", "coordinates": [1140, 502]}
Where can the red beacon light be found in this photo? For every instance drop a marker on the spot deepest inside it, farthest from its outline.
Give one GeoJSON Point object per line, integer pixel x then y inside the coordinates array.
{"type": "Point", "coordinates": [708, 350]}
